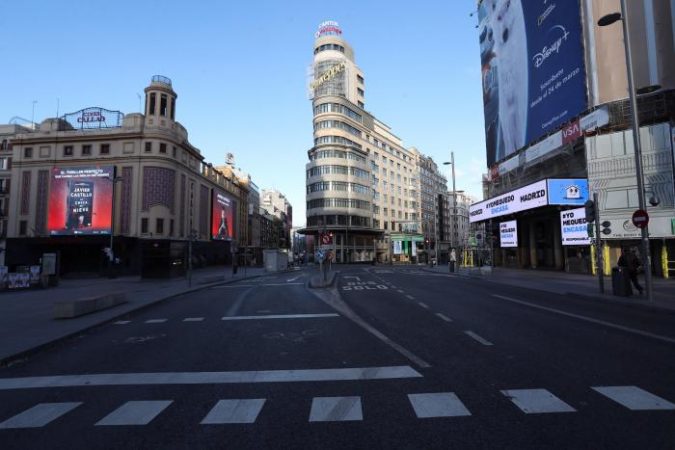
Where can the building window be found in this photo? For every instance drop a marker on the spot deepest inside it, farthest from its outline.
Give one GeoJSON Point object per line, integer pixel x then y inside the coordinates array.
{"type": "Point", "coordinates": [162, 105]}
{"type": "Point", "coordinates": [174, 151]}
{"type": "Point", "coordinates": [23, 227]}
{"type": "Point", "coordinates": [359, 78]}
{"type": "Point", "coordinates": [360, 91]}
{"type": "Point", "coordinates": [148, 147]}
{"type": "Point", "coordinates": [173, 108]}
{"type": "Point", "coordinates": [28, 152]}
{"type": "Point", "coordinates": [144, 225]}
{"type": "Point", "coordinates": [171, 227]}
{"type": "Point", "coordinates": [152, 104]}
{"type": "Point", "coordinates": [162, 148]}
{"type": "Point", "coordinates": [105, 149]}
{"type": "Point", "coordinates": [68, 150]}
{"type": "Point", "coordinates": [86, 150]}
{"type": "Point", "coordinates": [361, 104]}
{"type": "Point", "coordinates": [159, 226]}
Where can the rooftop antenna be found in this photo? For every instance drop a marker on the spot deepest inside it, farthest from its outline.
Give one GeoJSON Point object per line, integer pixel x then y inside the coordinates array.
{"type": "Point", "coordinates": [140, 110]}
{"type": "Point", "coordinates": [32, 117]}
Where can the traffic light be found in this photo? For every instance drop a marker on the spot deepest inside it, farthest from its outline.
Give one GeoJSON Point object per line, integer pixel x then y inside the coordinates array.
{"type": "Point", "coordinates": [590, 211]}
{"type": "Point", "coordinates": [606, 227]}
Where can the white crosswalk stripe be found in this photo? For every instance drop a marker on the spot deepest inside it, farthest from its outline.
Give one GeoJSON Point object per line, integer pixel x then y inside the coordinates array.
{"type": "Point", "coordinates": [193, 319]}
{"type": "Point", "coordinates": [336, 409]}
{"type": "Point", "coordinates": [156, 321]}
{"type": "Point", "coordinates": [234, 411]}
{"type": "Point", "coordinates": [39, 415]}
{"type": "Point", "coordinates": [634, 398]}
{"type": "Point", "coordinates": [442, 404]}
{"type": "Point", "coordinates": [537, 401]}
{"type": "Point", "coordinates": [122, 322]}
{"type": "Point", "coordinates": [135, 413]}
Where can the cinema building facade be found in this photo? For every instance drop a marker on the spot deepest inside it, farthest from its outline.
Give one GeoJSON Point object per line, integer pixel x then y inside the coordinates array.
{"type": "Point", "coordinates": [571, 136]}
{"type": "Point", "coordinates": [96, 177]}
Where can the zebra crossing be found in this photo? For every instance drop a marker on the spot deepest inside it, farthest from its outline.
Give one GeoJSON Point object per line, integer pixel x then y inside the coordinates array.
{"type": "Point", "coordinates": [336, 409]}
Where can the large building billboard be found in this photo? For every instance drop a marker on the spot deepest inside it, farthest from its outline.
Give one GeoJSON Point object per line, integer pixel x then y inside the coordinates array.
{"type": "Point", "coordinates": [534, 78]}
{"type": "Point", "coordinates": [80, 200]}
{"type": "Point", "coordinates": [222, 216]}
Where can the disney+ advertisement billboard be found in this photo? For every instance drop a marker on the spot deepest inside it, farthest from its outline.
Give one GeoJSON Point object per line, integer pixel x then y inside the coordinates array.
{"type": "Point", "coordinates": [532, 65]}
{"type": "Point", "coordinates": [80, 200]}
{"type": "Point", "coordinates": [222, 216]}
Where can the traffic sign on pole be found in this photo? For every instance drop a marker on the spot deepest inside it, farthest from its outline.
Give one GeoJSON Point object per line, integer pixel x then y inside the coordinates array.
{"type": "Point", "coordinates": [640, 218]}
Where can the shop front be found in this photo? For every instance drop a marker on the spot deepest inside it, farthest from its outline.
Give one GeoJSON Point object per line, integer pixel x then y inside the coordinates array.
{"type": "Point", "coordinates": [534, 227]}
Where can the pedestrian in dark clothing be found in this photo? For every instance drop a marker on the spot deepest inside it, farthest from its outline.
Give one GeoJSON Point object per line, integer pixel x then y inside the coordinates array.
{"type": "Point", "coordinates": [629, 263]}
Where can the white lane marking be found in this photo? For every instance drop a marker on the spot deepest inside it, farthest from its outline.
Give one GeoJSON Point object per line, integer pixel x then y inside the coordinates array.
{"type": "Point", "coordinates": [193, 319]}
{"type": "Point", "coordinates": [227, 286]}
{"type": "Point", "coordinates": [444, 317]}
{"type": "Point", "coordinates": [336, 409]}
{"type": "Point", "coordinates": [281, 316]}
{"type": "Point", "coordinates": [293, 279]}
{"type": "Point", "coordinates": [39, 415]}
{"type": "Point", "coordinates": [234, 411]}
{"type": "Point", "coordinates": [589, 319]}
{"type": "Point", "coordinates": [170, 378]}
{"type": "Point", "coordinates": [410, 297]}
{"type": "Point", "coordinates": [423, 305]}
{"type": "Point", "coordinates": [122, 322]}
{"type": "Point", "coordinates": [634, 398]}
{"type": "Point", "coordinates": [281, 284]}
{"type": "Point", "coordinates": [441, 404]}
{"type": "Point", "coordinates": [135, 413]}
{"type": "Point", "coordinates": [537, 401]}
{"type": "Point", "coordinates": [401, 291]}
{"type": "Point", "coordinates": [353, 277]}
{"type": "Point", "coordinates": [156, 321]}
{"type": "Point", "coordinates": [477, 338]}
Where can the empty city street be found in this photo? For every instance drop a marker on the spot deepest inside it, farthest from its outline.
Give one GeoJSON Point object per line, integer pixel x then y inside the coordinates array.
{"type": "Point", "coordinates": [390, 357]}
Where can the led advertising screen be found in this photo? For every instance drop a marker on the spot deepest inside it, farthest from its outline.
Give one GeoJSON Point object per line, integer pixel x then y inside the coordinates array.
{"type": "Point", "coordinates": [222, 216]}
{"type": "Point", "coordinates": [573, 227]}
{"type": "Point", "coordinates": [567, 191]}
{"type": "Point", "coordinates": [532, 65]}
{"type": "Point", "coordinates": [508, 234]}
{"type": "Point", "coordinates": [80, 200]}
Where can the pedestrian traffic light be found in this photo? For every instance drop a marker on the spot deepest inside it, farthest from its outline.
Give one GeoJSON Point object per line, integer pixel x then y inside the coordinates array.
{"type": "Point", "coordinates": [606, 227]}
{"type": "Point", "coordinates": [589, 206]}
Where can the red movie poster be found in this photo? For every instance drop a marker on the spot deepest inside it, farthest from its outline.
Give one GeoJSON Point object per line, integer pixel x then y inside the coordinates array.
{"type": "Point", "coordinates": [222, 216]}
{"type": "Point", "coordinates": [80, 200]}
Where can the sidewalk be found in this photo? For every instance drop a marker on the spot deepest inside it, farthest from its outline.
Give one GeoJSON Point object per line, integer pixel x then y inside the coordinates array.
{"type": "Point", "coordinates": [569, 283]}
{"type": "Point", "coordinates": [26, 317]}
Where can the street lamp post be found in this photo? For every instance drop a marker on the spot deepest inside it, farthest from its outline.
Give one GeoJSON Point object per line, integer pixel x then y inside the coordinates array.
{"type": "Point", "coordinates": [112, 222]}
{"type": "Point", "coordinates": [605, 21]}
{"type": "Point", "coordinates": [454, 200]}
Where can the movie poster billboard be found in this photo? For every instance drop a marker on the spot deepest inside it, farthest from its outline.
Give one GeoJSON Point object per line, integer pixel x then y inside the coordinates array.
{"type": "Point", "coordinates": [80, 200]}
{"type": "Point", "coordinates": [222, 216]}
{"type": "Point", "coordinates": [532, 65]}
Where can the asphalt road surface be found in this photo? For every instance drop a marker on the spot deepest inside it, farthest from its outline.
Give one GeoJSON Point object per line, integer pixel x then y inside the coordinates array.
{"type": "Point", "coordinates": [392, 357]}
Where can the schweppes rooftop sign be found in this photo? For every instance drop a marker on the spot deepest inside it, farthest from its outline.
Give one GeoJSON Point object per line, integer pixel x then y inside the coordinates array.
{"type": "Point", "coordinates": [328, 75]}
{"type": "Point", "coordinates": [328, 28]}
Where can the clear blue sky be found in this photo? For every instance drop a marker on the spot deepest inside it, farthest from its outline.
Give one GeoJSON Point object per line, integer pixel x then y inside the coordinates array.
{"type": "Point", "coordinates": [240, 71]}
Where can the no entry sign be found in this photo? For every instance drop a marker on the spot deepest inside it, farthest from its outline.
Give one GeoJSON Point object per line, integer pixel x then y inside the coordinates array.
{"type": "Point", "coordinates": [640, 218]}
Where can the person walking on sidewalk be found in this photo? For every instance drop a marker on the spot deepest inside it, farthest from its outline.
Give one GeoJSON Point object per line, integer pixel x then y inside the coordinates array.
{"type": "Point", "coordinates": [453, 260]}
{"type": "Point", "coordinates": [629, 263]}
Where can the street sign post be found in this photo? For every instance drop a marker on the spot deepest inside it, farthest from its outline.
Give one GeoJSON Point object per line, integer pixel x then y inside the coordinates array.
{"type": "Point", "coordinates": [640, 218]}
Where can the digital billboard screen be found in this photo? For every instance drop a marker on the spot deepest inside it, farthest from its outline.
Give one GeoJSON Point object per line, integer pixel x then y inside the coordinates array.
{"type": "Point", "coordinates": [532, 65]}
{"type": "Point", "coordinates": [222, 216]}
{"type": "Point", "coordinates": [80, 200]}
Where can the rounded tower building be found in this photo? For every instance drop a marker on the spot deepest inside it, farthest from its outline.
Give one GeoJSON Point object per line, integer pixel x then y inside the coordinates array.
{"type": "Point", "coordinates": [339, 191]}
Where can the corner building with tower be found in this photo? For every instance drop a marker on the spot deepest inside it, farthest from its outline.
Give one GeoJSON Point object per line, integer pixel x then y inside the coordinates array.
{"type": "Point", "coordinates": [363, 185]}
{"type": "Point", "coordinates": [87, 175]}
